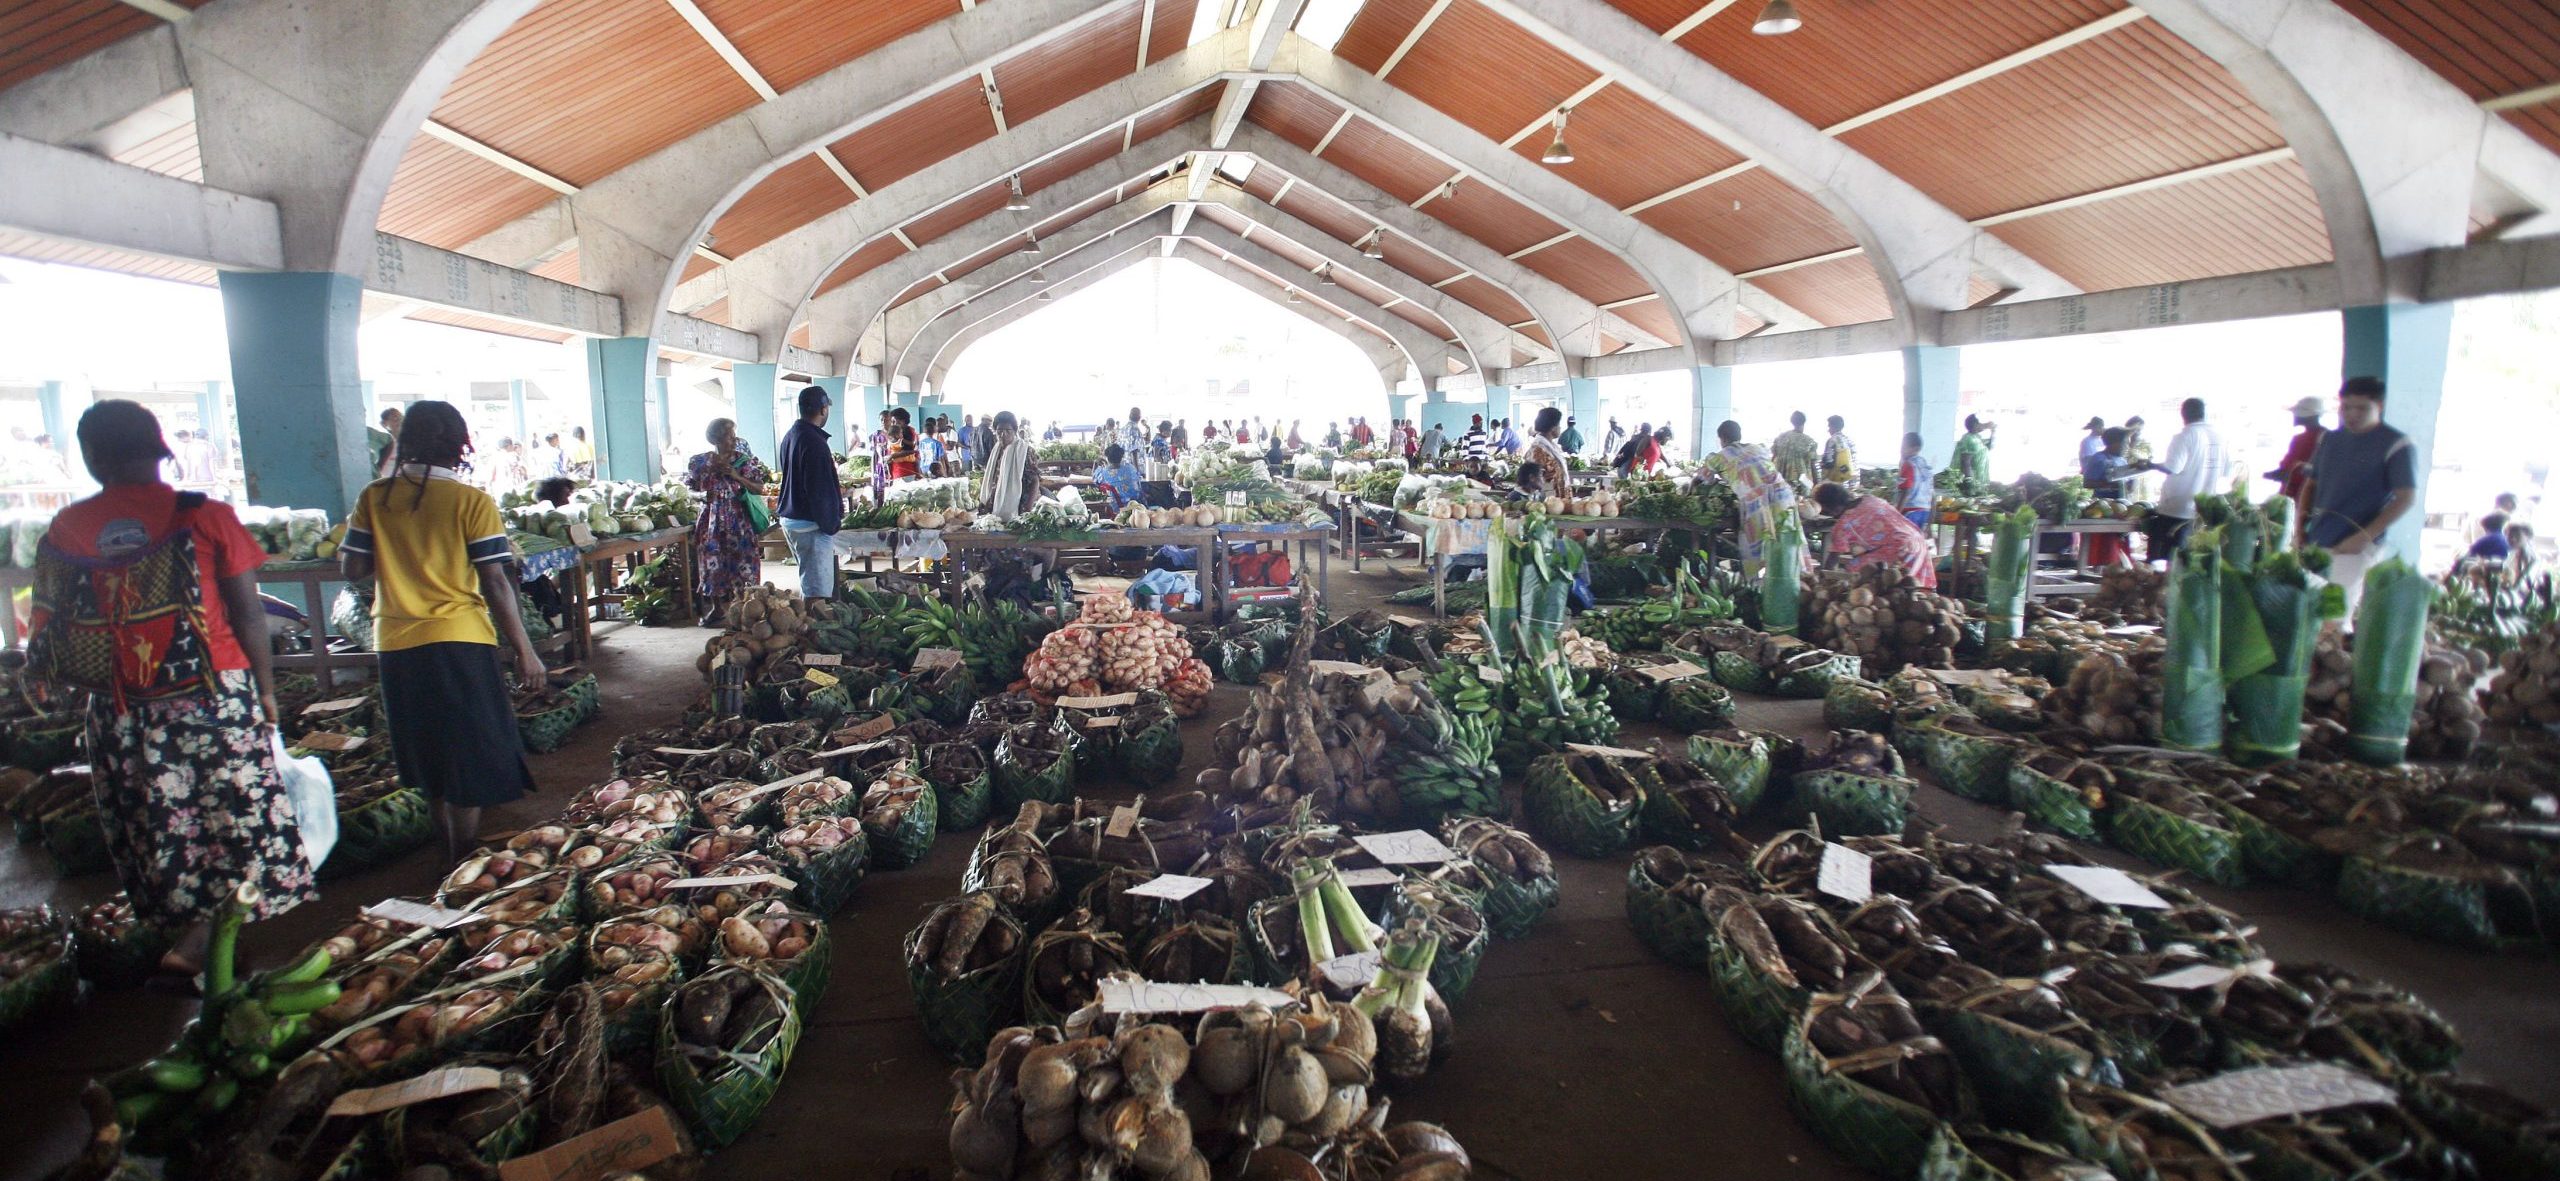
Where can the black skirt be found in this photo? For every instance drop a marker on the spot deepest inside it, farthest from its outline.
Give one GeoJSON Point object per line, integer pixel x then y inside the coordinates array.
{"type": "Point", "coordinates": [453, 725]}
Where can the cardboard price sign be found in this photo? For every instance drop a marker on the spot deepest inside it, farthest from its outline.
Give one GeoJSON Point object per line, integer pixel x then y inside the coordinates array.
{"type": "Point", "coordinates": [867, 730]}
{"type": "Point", "coordinates": [1103, 723]}
{"type": "Point", "coordinates": [417, 914]}
{"type": "Point", "coordinates": [688, 752]}
{"type": "Point", "coordinates": [2247, 1096]}
{"type": "Point", "coordinates": [1235, 500]}
{"type": "Point", "coordinates": [1124, 820]}
{"type": "Point", "coordinates": [1490, 675]}
{"type": "Point", "coordinates": [1353, 878]}
{"type": "Point", "coordinates": [1611, 752]}
{"type": "Point", "coordinates": [820, 679]}
{"type": "Point", "coordinates": [1353, 971]}
{"type": "Point", "coordinates": [794, 780]}
{"type": "Point", "coordinates": [440, 1084]}
{"type": "Point", "coordinates": [1172, 887]}
{"type": "Point", "coordinates": [1410, 847]}
{"type": "Point", "coordinates": [1846, 873]}
{"type": "Point", "coordinates": [2114, 887]}
{"type": "Point", "coordinates": [1121, 994]}
{"type": "Point", "coordinates": [822, 660]}
{"type": "Point", "coordinates": [1343, 667]}
{"type": "Point", "coordinates": [327, 741]}
{"type": "Point", "coordinates": [341, 705]}
{"type": "Point", "coordinates": [1677, 670]}
{"type": "Point", "coordinates": [623, 1146]}
{"type": "Point", "coordinates": [855, 749]}
{"type": "Point", "coordinates": [1108, 701]}
{"type": "Point", "coordinates": [928, 659]}
{"type": "Point", "coordinates": [735, 879]}
{"type": "Point", "coordinates": [2194, 976]}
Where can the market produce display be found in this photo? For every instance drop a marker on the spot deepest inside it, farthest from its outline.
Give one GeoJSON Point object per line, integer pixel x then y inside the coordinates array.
{"type": "Point", "coordinates": [1882, 617]}
{"type": "Point", "coordinates": [1112, 647]}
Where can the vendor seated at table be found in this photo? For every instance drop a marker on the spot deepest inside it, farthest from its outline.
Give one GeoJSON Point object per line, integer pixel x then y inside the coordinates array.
{"type": "Point", "coordinates": [545, 591]}
{"type": "Point", "coordinates": [1118, 475]}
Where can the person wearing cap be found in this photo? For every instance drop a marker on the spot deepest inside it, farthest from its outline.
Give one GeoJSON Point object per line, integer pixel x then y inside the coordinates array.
{"type": "Point", "coordinates": [189, 797]}
{"type": "Point", "coordinates": [2096, 440]}
{"type": "Point", "coordinates": [2293, 472]}
{"type": "Point", "coordinates": [812, 495]}
{"type": "Point", "coordinates": [2364, 478]}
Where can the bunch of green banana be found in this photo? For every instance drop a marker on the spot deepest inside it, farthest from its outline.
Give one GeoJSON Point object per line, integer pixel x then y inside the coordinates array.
{"type": "Point", "coordinates": [1460, 777]}
{"type": "Point", "coordinates": [1550, 703]}
{"type": "Point", "coordinates": [245, 1033]}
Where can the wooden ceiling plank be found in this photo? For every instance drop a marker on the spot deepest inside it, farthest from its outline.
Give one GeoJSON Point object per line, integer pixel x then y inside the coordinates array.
{"type": "Point", "coordinates": [720, 44]}
{"type": "Point", "coordinates": [1410, 39]}
{"type": "Point", "coordinates": [501, 159]}
{"type": "Point", "coordinates": [160, 8]}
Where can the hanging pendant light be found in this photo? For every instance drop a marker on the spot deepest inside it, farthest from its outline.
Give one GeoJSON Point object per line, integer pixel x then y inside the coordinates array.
{"type": "Point", "coordinates": [1030, 244]}
{"type": "Point", "coordinates": [1293, 296]}
{"type": "Point", "coordinates": [1043, 297]}
{"type": "Point", "coordinates": [1016, 203]}
{"type": "Point", "coordinates": [1778, 18]}
{"type": "Point", "coordinates": [1556, 152]}
{"type": "Point", "coordinates": [1039, 278]}
{"type": "Point", "coordinates": [1377, 244]}
{"type": "Point", "coordinates": [1325, 272]}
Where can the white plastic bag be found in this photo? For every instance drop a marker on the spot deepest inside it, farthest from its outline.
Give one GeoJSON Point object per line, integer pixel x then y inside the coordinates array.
{"type": "Point", "coordinates": [315, 801]}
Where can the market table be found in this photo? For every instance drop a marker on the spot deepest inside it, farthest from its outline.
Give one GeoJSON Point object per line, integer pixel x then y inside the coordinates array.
{"type": "Point", "coordinates": [2075, 581]}
{"type": "Point", "coordinates": [968, 546]}
{"type": "Point", "coordinates": [598, 561]}
{"type": "Point", "coordinates": [1446, 538]}
{"type": "Point", "coordinates": [898, 545]}
{"type": "Point", "coordinates": [1306, 537]}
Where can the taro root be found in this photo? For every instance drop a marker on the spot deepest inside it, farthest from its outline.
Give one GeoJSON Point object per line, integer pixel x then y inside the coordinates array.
{"type": "Point", "coordinates": [1859, 752]}
{"type": "Point", "coordinates": [1875, 1038]}
{"type": "Point", "coordinates": [1502, 851]}
{"type": "Point", "coordinates": [964, 934]}
{"type": "Point", "coordinates": [1987, 930]}
{"type": "Point", "coordinates": [1201, 947]}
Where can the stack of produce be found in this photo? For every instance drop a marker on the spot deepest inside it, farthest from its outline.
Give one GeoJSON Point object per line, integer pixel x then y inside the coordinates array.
{"type": "Point", "coordinates": [2493, 606]}
{"type": "Point", "coordinates": [1878, 614]}
{"type": "Point", "coordinates": [2111, 694]}
{"type": "Point", "coordinates": [1139, 516]}
{"type": "Point", "coordinates": [2526, 692]}
{"type": "Point", "coordinates": [1113, 648]}
{"type": "Point", "coordinates": [1938, 1013]}
{"type": "Point", "coordinates": [2134, 594]}
{"type": "Point", "coordinates": [2446, 718]}
{"type": "Point", "coordinates": [1757, 662]}
{"type": "Point", "coordinates": [38, 968]}
{"type": "Point", "coordinates": [1537, 702]}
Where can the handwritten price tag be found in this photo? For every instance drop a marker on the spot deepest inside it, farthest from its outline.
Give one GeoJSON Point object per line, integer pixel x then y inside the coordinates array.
{"type": "Point", "coordinates": [1235, 500]}
{"type": "Point", "coordinates": [1677, 670]}
{"type": "Point", "coordinates": [1354, 971]}
{"type": "Point", "coordinates": [1610, 752]}
{"type": "Point", "coordinates": [624, 1146]}
{"type": "Point", "coordinates": [417, 914]}
{"type": "Point", "coordinates": [1356, 878]}
{"type": "Point", "coordinates": [820, 679]}
{"type": "Point", "coordinates": [1108, 723]}
{"type": "Point", "coordinates": [1342, 667]}
{"type": "Point", "coordinates": [928, 659]}
{"type": "Point", "coordinates": [1846, 873]}
{"type": "Point", "coordinates": [330, 707]}
{"type": "Point", "coordinates": [2247, 1096]}
{"type": "Point", "coordinates": [441, 1084]}
{"type": "Point", "coordinates": [821, 660]}
{"type": "Point", "coordinates": [2114, 887]}
{"type": "Point", "coordinates": [1121, 994]}
{"type": "Point", "coordinates": [735, 879]}
{"type": "Point", "coordinates": [1110, 701]}
{"type": "Point", "coordinates": [1173, 887]}
{"type": "Point", "coordinates": [1410, 847]}
{"type": "Point", "coordinates": [687, 752]}
{"type": "Point", "coordinates": [1490, 675]}
{"type": "Point", "coordinates": [795, 780]}
{"type": "Point", "coordinates": [1124, 820]}
{"type": "Point", "coordinates": [866, 730]}
{"type": "Point", "coordinates": [325, 741]}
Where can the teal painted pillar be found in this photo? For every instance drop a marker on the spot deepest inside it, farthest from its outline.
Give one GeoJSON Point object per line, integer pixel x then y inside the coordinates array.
{"type": "Point", "coordinates": [1399, 406]}
{"type": "Point", "coordinates": [875, 400]}
{"type": "Point", "coordinates": [293, 367]}
{"type": "Point", "coordinates": [752, 392]}
{"type": "Point", "coordinates": [1932, 403]}
{"type": "Point", "coordinates": [1710, 405]}
{"type": "Point", "coordinates": [2406, 345]}
{"type": "Point", "coordinates": [49, 405]}
{"type": "Point", "coordinates": [515, 411]}
{"type": "Point", "coordinates": [622, 385]}
{"type": "Point", "coordinates": [1497, 404]}
{"type": "Point", "coordinates": [1582, 408]}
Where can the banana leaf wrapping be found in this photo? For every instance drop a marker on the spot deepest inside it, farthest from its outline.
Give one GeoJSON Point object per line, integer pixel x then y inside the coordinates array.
{"type": "Point", "coordinates": [1571, 817]}
{"type": "Point", "coordinates": [720, 1096]}
{"type": "Point", "coordinates": [43, 743]}
{"type": "Point", "coordinates": [1664, 818]}
{"type": "Point", "coordinates": [2052, 803]}
{"type": "Point", "coordinates": [1271, 932]}
{"type": "Point", "coordinates": [498, 1145]}
{"type": "Point", "coordinates": [2270, 854]}
{"type": "Point", "coordinates": [1953, 1157]}
{"type": "Point", "coordinates": [2006, 575]}
{"type": "Point", "coordinates": [904, 843]}
{"type": "Point", "coordinates": [826, 878]}
{"type": "Point", "coordinates": [1782, 579]}
{"type": "Point", "coordinates": [53, 983]}
{"type": "Point", "coordinates": [2510, 1139]}
{"type": "Point", "coordinates": [1511, 904]}
{"type": "Point", "coordinates": [2317, 1148]}
{"type": "Point", "coordinates": [632, 1031]}
{"type": "Point", "coordinates": [1875, 1131]}
{"type": "Point", "coordinates": [805, 973]}
{"type": "Point", "coordinates": [962, 804]}
{"type": "Point", "coordinates": [962, 1013]}
{"type": "Point", "coordinates": [2015, 1070]}
{"type": "Point", "coordinates": [1144, 746]}
{"type": "Point", "coordinates": [1740, 764]}
{"type": "Point", "coordinates": [1453, 969]}
{"type": "Point", "coordinates": [2093, 1122]}
{"type": "Point", "coordinates": [1975, 766]}
{"type": "Point", "coordinates": [944, 694]}
{"type": "Point", "coordinates": [1695, 703]}
{"type": "Point", "coordinates": [2191, 671]}
{"type": "Point", "coordinates": [77, 838]}
{"type": "Point", "coordinates": [1733, 670]}
{"type": "Point", "coordinates": [2162, 837]}
{"type": "Point", "coordinates": [807, 701]}
{"type": "Point", "coordinates": [1016, 781]}
{"type": "Point", "coordinates": [2266, 706]}
{"type": "Point", "coordinates": [1633, 696]}
{"type": "Point", "coordinates": [1852, 703]}
{"type": "Point", "coordinates": [1672, 927]}
{"type": "Point", "coordinates": [548, 730]}
{"type": "Point", "coordinates": [2391, 641]}
{"type": "Point", "coordinates": [1502, 587]}
{"type": "Point", "coordinates": [379, 831]}
{"type": "Point", "coordinates": [1851, 805]}
{"type": "Point", "coordinates": [1762, 1007]}
{"type": "Point", "coordinates": [2246, 649]}
{"type": "Point", "coordinates": [2470, 906]}
{"type": "Point", "coordinates": [1239, 661]}
{"type": "Point", "coordinates": [1815, 680]}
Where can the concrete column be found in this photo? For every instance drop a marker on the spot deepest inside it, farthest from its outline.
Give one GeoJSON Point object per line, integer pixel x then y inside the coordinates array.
{"type": "Point", "coordinates": [1932, 403]}
{"type": "Point", "coordinates": [1710, 404]}
{"type": "Point", "coordinates": [1497, 404]}
{"type": "Point", "coordinates": [49, 404]}
{"type": "Point", "coordinates": [515, 411]}
{"type": "Point", "coordinates": [873, 400]}
{"type": "Point", "coordinates": [2404, 344]}
{"type": "Point", "coordinates": [1398, 406]}
{"type": "Point", "coordinates": [752, 393]}
{"type": "Point", "coordinates": [1582, 406]}
{"type": "Point", "coordinates": [623, 387]}
{"type": "Point", "coordinates": [293, 363]}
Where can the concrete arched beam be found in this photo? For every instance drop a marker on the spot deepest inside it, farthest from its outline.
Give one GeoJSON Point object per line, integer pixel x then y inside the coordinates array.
{"type": "Point", "coordinates": [1704, 295]}
{"type": "Point", "coordinates": [1924, 253]}
{"type": "Point", "coordinates": [2393, 151]}
{"type": "Point", "coordinates": [1431, 355]}
{"type": "Point", "coordinates": [1382, 354]}
{"type": "Point", "coordinates": [914, 329]}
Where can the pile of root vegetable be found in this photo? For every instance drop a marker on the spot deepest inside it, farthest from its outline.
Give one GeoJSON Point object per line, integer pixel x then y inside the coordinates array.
{"type": "Point", "coordinates": [1960, 1010]}
{"type": "Point", "coordinates": [770, 636]}
{"type": "Point", "coordinates": [654, 946]}
{"type": "Point", "coordinates": [1253, 1015]}
{"type": "Point", "coordinates": [1880, 615]}
{"type": "Point", "coordinates": [2445, 723]}
{"type": "Point", "coordinates": [1113, 648]}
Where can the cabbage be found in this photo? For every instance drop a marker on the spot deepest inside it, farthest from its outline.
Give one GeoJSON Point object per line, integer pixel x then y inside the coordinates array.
{"type": "Point", "coordinates": [600, 519]}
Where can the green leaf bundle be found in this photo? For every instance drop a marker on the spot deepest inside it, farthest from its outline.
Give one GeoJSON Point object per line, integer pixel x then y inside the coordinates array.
{"type": "Point", "coordinates": [2191, 693]}
{"type": "Point", "coordinates": [1782, 579]}
{"type": "Point", "coordinates": [2391, 642]}
{"type": "Point", "coordinates": [2006, 577]}
{"type": "Point", "coordinates": [2266, 706]}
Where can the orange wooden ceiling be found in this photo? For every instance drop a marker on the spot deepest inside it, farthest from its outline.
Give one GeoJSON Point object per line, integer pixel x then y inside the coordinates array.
{"type": "Point", "coordinates": [792, 41]}
{"type": "Point", "coordinates": [445, 196]}
{"type": "Point", "coordinates": [38, 35]}
{"type": "Point", "coordinates": [2489, 48]}
{"type": "Point", "coordinates": [791, 196]}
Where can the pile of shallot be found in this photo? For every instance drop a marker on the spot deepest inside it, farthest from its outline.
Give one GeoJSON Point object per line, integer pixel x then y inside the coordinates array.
{"type": "Point", "coordinates": [1113, 648]}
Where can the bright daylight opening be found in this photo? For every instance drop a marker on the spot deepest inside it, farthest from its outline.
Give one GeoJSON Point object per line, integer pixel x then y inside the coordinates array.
{"type": "Point", "coordinates": [1325, 21]}
{"type": "Point", "coordinates": [1178, 342]}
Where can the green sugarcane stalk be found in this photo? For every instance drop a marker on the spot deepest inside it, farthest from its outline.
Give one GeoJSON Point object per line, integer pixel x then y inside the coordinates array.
{"type": "Point", "coordinates": [1312, 928]}
{"type": "Point", "coordinates": [1356, 929]}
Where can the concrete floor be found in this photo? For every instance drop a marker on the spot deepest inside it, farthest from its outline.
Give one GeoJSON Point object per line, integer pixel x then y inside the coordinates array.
{"type": "Point", "coordinates": [1579, 1055]}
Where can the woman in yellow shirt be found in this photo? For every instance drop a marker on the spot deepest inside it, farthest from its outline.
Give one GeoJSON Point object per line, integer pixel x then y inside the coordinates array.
{"type": "Point", "coordinates": [437, 554]}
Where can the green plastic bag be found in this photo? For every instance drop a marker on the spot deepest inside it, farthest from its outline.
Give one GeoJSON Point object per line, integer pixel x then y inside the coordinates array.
{"type": "Point", "coordinates": [2266, 706]}
{"type": "Point", "coordinates": [2391, 641]}
{"type": "Point", "coordinates": [1781, 581]}
{"type": "Point", "coordinates": [2191, 673]}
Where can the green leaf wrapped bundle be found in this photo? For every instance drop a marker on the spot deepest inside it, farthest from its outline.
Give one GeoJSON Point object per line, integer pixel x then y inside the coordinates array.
{"type": "Point", "coordinates": [1783, 578]}
{"type": "Point", "coordinates": [2191, 698]}
{"type": "Point", "coordinates": [2391, 642]}
{"type": "Point", "coordinates": [1502, 586]}
{"type": "Point", "coordinates": [2291, 599]}
{"type": "Point", "coordinates": [2005, 578]}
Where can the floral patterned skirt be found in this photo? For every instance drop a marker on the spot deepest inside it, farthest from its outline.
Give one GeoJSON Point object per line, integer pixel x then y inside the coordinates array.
{"type": "Point", "coordinates": [193, 806]}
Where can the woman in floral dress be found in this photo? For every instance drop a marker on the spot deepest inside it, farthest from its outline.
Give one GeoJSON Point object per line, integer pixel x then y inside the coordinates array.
{"type": "Point", "coordinates": [1763, 493]}
{"type": "Point", "coordinates": [724, 540]}
{"type": "Point", "coordinates": [880, 458]}
{"type": "Point", "coordinates": [187, 786]}
{"type": "Point", "coordinates": [1869, 532]}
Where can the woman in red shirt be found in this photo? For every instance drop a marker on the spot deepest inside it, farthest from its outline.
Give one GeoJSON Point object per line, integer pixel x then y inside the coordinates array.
{"type": "Point", "coordinates": [188, 790]}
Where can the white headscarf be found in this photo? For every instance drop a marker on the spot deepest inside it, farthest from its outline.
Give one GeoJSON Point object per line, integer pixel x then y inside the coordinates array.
{"type": "Point", "coordinates": [1005, 473]}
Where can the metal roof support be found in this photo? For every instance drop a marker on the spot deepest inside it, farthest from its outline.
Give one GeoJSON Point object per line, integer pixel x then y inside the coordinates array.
{"type": "Point", "coordinates": [2395, 153]}
{"type": "Point", "coordinates": [1704, 295]}
{"type": "Point", "coordinates": [1926, 254]}
{"type": "Point", "coordinates": [1430, 354]}
{"type": "Point", "coordinates": [1574, 323]}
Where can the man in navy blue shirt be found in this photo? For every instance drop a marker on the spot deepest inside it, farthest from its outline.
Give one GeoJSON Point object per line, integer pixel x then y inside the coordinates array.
{"type": "Point", "coordinates": [2363, 478]}
{"type": "Point", "coordinates": [812, 495]}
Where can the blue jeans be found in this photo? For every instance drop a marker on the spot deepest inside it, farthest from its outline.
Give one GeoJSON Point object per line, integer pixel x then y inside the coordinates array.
{"type": "Point", "coordinates": [815, 554]}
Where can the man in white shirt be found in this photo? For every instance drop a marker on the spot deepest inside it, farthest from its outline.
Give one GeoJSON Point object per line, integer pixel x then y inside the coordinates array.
{"type": "Point", "coordinates": [2194, 466]}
